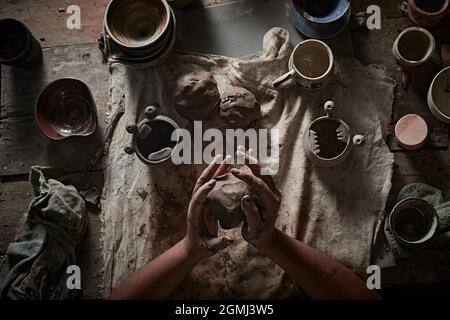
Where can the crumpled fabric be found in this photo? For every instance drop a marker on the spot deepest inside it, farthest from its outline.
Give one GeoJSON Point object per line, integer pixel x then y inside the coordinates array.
{"type": "Point", "coordinates": [436, 199]}
{"type": "Point", "coordinates": [337, 210]}
{"type": "Point", "coordinates": [35, 264]}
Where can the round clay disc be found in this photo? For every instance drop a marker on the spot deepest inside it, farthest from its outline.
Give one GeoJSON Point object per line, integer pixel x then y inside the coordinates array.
{"type": "Point", "coordinates": [411, 131]}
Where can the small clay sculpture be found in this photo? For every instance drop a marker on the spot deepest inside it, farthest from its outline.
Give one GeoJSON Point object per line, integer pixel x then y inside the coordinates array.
{"type": "Point", "coordinates": [196, 95]}
{"type": "Point", "coordinates": [239, 107]}
{"type": "Point", "coordinates": [224, 200]}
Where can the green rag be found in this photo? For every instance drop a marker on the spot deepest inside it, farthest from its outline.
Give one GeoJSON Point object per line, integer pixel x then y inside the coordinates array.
{"type": "Point", "coordinates": [435, 198]}
{"type": "Point", "coordinates": [35, 265]}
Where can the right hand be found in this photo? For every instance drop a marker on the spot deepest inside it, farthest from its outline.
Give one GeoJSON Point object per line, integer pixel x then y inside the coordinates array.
{"type": "Point", "coordinates": [261, 214]}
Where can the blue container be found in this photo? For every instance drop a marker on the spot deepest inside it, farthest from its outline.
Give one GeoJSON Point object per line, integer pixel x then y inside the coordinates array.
{"type": "Point", "coordinates": [320, 19]}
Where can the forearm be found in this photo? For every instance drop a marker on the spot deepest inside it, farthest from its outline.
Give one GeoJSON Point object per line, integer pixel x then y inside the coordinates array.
{"type": "Point", "coordinates": [160, 277]}
{"type": "Point", "coordinates": [320, 275]}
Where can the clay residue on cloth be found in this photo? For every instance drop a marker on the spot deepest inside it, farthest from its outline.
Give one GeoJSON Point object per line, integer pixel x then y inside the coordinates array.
{"type": "Point", "coordinates": [337, 210]}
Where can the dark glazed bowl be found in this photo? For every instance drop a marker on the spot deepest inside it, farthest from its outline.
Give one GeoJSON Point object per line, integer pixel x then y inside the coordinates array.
{"type": "Point", "coordinates": [66, 108]}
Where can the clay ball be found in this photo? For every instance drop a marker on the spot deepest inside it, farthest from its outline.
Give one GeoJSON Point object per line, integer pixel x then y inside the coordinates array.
{"type": "Point", "coordinates": [224, 200]}
{"type": "Point", "coordinates": [196, 95]}
{"type": "Point", "coordinates": [239, 107]}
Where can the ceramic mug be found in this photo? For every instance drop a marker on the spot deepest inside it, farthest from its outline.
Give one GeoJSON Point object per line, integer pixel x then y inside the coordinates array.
{"type": "Point", "coordinates": [414, 46]}
{"type": "Point", "coordinates": [311, 65]}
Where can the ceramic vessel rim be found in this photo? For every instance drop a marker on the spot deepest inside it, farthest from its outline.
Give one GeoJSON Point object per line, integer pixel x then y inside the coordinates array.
{"type": "Point", "coordinates": [430, 50]}
{"type": "Point", "coordinates": [431, 94]}
{"type": "Point", "coordinates": [330, 57]}
{"type": "Point", "coordinates": [93, 109]}
{"type": "Point", "coordinates": [429, 234]}
{"type": "Point", "coordinates": [148, 43]}
{"type": "Point", "coordinates": [429, 14]}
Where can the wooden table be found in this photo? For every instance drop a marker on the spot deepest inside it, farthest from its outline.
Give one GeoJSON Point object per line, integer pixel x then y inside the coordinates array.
{"type": "Point", "coordinates": [74, 53]}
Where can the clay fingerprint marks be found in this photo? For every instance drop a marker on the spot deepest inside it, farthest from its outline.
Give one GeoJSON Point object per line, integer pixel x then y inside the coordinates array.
{"type": "Point", "coordinates": [328, 139]}
{"type": "Point", "coordinates": [238, 107]}
{"type": "Point", "coordinates": [196, 95]}
{"type": "Point", "coordinates": [224, 200]}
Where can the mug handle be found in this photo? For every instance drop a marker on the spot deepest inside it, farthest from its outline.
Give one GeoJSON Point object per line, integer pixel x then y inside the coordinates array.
{"type": "Point", "coordinates": [278, 82]}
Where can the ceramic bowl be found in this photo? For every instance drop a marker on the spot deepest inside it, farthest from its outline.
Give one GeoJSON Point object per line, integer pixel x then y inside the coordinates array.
{"type": "Point", "coordinates": [66, 108]}
{"type": "Point", "coordinates": [427, 13]}
{"type": "Point", "coordinates": [320, 19]}
{"type": "Point", "coordinates": [439, 96]}
{"type": "Point", "coordinates": [413, 221]}
{"type": "Point", "coordinates": [414, 46]}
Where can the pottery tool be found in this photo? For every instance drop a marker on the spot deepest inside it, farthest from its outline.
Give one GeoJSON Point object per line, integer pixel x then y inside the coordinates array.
{"type": "Point", "coordinates": [118, 113]}
{"type": "Point", "coordinates": [411, 131]}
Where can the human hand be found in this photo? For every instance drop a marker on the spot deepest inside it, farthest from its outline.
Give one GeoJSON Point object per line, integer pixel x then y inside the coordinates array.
{"type": "Point", "coordinates": [202, 229]}
{"type": "Point", "coordinates": [260, 213]}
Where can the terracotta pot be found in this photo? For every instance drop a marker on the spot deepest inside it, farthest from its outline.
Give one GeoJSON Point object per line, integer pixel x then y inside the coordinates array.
{"type": "Point", "coordinates": [328, 141]}
{"type": "Point", "coordinates": [427, 13]}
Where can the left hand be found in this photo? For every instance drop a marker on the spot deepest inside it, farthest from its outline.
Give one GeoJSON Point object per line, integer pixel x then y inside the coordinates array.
{"type": "Point", "coordinates": [202, 229]}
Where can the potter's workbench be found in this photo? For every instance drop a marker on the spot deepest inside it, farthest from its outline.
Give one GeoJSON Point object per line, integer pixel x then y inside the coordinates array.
{"type": "Point", "coordinates": [74, 53]}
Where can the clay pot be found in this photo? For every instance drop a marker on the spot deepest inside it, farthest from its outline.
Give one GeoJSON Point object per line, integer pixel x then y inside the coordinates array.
{"type": "Point", "coordinates": [328, 141]}
{"type": "Point", "coordinates": [141, 31]}
{"type": "Point", "coordinates": [413, 47]}
{"type": "Point", "coordinates": [66, 108]}
{"type": "Point", "coordinates": [439, 96]}
{"type": "Point", "coordinates": [413, 221]}
{"type": "Point", "coordinates": [151, 139]}
{"type": "Point", "coordinates": [427, 13]}
{"type": "Point", "coordinates": [320, 19]}
{"type": "Point", "coordinates": [18, 47]}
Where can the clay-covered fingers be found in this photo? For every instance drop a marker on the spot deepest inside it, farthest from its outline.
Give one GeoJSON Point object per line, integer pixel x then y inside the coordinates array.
{"type": "Point", "coordinates": [197, 203]}
{"type": "Point", "coordinates": [223, 167]}
{"type": "Point", "coordinates": [253, 225]}
{"type": "Point", "coordinates": [217, 244]}
{"type": "Point", "coordinates": [208, 173]}
{"type": "Point", "coordinates": [256, 167]}
{"type": "Point", "coordinates": [269, 198]}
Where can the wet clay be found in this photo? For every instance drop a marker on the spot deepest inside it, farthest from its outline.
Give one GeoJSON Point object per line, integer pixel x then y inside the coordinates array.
{"type": "Point", "coordinates": [412, 225]}
{"type": "Point", "coordinates": [239, 107]}
{"type": "Point", "coordinates": [224, 200]}
{"type": "Point", "coordinates": [156, 144]}
{"type": "Point", "coordinates": [196, 95]}
{"type": "Point", "coordinates": [328, 139]}
{"type": "Point", "coordinates": [414, 45]}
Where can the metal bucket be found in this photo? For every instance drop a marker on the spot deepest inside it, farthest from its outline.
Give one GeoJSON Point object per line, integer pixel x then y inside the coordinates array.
{"type": "Point", "coordinates": [18, 47]}
{"type": "Point", "coordinates": [320, 19]}
{"type": "Point", "coordinates": [138, 31]}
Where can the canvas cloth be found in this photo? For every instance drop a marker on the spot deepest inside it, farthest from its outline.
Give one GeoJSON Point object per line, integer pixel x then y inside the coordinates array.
{"type": "Point", "coordinates": [337, 210]}
{"type": "Point", "coordinates": [35, 264]}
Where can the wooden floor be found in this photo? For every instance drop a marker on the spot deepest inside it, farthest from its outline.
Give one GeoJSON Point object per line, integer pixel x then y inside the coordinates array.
{"type": "Point", "coordinates": [74, 53]}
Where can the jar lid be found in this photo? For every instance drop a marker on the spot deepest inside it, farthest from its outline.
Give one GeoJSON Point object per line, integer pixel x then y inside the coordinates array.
{"type": "Point", "coordinates": [411, 131]}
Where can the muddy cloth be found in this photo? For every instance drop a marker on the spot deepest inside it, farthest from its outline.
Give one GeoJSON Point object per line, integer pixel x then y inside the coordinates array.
{"type": "Point", "coordinates": [35, 264]}
{"type": "Point", "coordinates": [435, 198]}
{"type": "Point", "coordinates": [337, 210]}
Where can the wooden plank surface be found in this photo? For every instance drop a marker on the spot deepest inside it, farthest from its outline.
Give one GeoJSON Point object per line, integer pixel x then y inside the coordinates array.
{"type": "Point", "coordinates": [22, 144]}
